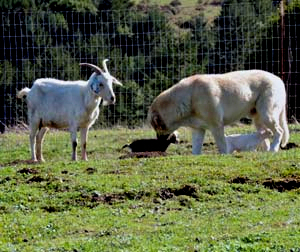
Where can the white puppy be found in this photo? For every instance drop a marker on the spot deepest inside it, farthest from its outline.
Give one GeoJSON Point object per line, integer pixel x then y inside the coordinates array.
{"type": "Point", "coordinates": [249, 142]}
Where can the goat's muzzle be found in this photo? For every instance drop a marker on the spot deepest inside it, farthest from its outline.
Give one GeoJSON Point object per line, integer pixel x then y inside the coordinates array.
{"type": "Point", "coordinates": [112, 101]}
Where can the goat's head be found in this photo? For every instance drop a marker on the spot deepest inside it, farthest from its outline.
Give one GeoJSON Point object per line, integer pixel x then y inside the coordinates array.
{"type": "Point", "coordinates": [101, 82]}
{"type": "Point", "coordinates": [266, 133]}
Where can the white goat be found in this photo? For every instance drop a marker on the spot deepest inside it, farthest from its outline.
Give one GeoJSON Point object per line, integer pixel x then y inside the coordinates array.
{"type": "Point", "coordinates": [67, 104]}
{"type": "Point", "coordinates": [249, 142]}
{"type": "Point", "coordinates": [212, 101]}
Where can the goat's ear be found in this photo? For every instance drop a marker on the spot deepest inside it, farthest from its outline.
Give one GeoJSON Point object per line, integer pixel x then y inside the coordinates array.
{"type": "Point", "coordinates": [115, 81]}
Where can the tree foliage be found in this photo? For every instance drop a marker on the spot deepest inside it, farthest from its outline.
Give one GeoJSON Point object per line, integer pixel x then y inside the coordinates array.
{"type": "Point", "coordinates": [147, 49]}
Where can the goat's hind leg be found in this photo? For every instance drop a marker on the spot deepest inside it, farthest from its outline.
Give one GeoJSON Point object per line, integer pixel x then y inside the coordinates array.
{"type": "Point", "coordinates": [39, 143]}
{"type": "Point", "coordinates": [32, 138]}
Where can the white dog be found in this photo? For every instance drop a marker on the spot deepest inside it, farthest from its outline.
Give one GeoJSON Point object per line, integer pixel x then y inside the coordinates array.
{"type": "Point", "coordinates": [211, 101]}
{"type": "Point", "coordinates": [249, 142]}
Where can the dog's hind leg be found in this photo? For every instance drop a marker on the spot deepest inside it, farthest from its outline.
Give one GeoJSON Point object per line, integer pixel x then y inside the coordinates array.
{"type": "Point", "coordinates": [269, 119]}
{"type": "Point", "coordinates": [218, 133]}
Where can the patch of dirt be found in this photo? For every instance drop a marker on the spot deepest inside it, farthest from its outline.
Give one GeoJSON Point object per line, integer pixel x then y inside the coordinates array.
{"type": "Point", "coordinates": [290, 146]}
{"type": "Point", "coordinates": [91, 170]}
{"type": "Point", "coordinates": [96, 198]}
{"type": "Point", "coordinates": [16, 162]}
{"type": "Point", "coordinates": [52, 209]}
{"type": "Point", "coordinates": [7, 179]}
{"type": "Point", "coordinates": [93, 199]}
{"type": "Point", "coordinates": [108, 198]}
{"type": "Point", "coordinates": [117, 172]}
{"type": "Point", "coordinates": [281, 185]}
{"type": "Point", "coordinates": [144, 154]}
{"type": "Point", "coordinates": [28, 171]}
{"type": "Point", "coordinates": [36, 179]}
{"type": "Point", "coordinates": [168, 193]}
{"type": "Point", "coordinates": [239, 180]}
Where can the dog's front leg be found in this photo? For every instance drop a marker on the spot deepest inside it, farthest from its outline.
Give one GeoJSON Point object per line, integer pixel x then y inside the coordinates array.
{"type": "Point", "coordinates": [197, 140]}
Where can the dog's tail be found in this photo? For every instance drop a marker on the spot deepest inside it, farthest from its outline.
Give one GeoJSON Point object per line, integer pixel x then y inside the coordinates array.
{"type": "Point", "coordinates": [23, 92]}
{"type": "Point", "coordinates": [284, 126]}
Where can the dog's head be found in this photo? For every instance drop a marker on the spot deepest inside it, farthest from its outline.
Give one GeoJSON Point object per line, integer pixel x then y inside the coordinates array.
{"type": "Point", "coordinates": [157, 122]}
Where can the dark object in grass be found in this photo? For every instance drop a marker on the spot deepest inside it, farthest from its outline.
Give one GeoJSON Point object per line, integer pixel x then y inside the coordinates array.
{"type": "Point", "coordinates": [146, 154]}
{"type": "Point", "coordinates": [290, 146]}
{"type": "Point", "coordinates": [284, 184]}
{"type": "Point", "coordinates": [150, 145]}
{"type": "Point", "coordinates": [239, 180]}
{"type": "Point", "coordinates": [28, 171]}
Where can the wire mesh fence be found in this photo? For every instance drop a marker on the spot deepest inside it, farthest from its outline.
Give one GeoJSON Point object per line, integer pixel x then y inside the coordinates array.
{"type": "Point", "coordinates": [149, 49]}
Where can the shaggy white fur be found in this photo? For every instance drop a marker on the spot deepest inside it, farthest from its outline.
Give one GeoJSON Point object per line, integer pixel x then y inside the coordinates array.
{"type": "Point", "coordinates": [67, 104]}
{"type": "Point", "coordinates": [211, 101]}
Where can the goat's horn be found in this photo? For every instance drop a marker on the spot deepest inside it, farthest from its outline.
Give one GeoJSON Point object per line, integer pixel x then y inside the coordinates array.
{"type": "Point", "coordinates": [104, 65]}
{"type": "Point", "coordinates": [96, 68]}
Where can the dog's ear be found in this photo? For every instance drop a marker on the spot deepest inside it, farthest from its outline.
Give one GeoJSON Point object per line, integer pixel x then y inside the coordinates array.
{"type": "Point", "coordinates": [157, 122]}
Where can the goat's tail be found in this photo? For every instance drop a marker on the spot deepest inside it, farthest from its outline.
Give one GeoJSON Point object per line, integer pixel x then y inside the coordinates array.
{"type": "Point", "coordinates": [284, 126]}
{"type": "Point", "coordinates": [23, 92]}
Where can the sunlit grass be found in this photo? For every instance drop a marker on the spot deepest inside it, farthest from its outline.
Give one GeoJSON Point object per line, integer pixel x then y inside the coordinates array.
{"type": "Point", "coordinates": [175, 203]}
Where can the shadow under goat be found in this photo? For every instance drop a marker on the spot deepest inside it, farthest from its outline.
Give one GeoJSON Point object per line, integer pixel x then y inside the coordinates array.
{"type": "Point", "coordinates": [152, 144]}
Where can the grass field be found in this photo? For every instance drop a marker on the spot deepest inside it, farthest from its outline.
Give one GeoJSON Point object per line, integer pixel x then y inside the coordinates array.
{"type": "Point", "coordinates": [210, 9]}
{"type": "Point", "coordinates": [179, 202]}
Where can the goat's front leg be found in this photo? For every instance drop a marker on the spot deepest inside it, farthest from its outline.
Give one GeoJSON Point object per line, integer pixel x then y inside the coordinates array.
{"type": "Point", "coordinates": [197, 140]}
{"type": "Point", "coordinates": [83, 139]}
{"type": "Point", "coordinates": [74, 143]}
{"type": "Point", "coordinates": [265, 145]}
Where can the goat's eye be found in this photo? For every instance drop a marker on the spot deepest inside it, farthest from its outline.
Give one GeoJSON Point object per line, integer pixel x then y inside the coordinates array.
{"type": "Point", "coordinates": [101, 85]}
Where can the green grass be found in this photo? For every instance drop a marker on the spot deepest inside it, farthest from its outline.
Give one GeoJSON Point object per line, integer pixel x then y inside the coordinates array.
{"type": "Point", "coordinates": [210, 9]}
{"type": "Point", "coordinates": [175, 203]}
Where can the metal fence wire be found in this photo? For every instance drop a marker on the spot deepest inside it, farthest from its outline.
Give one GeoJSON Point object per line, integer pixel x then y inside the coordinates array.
{"type": "Point", "coordinates": [148, 49]}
